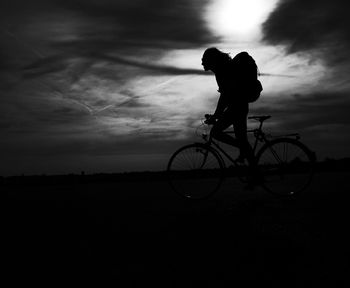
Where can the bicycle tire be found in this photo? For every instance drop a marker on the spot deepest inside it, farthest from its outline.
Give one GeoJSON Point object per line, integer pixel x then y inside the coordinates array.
{"type": "Point", "coordinates": [195, 171]}
{"type": "Point", "coordinates": [287, 166]}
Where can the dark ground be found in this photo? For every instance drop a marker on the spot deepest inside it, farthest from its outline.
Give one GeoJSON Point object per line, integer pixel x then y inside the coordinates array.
{"type": "Point", "coordinates": [138, 233]}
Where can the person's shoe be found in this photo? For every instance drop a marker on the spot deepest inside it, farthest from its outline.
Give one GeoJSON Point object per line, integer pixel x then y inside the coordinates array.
{"type": "Point", "coordinates": [240, 159]}
{"type": "Point", "coordinates": [254, 181]}
{"type": "Point", "coordinates": [249, 186]}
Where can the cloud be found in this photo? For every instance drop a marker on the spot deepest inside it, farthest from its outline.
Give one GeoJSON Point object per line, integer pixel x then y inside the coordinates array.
{"type": "Point", "coordinates": [321, 117]}
{"type": "Point", "coordinates": [55, 30]}
{"type": "Point", "coordinates": [320, 28]}
{"type": "Point", "coordinates": [154, 23]}
{"type": "Point", "coordinates": [69, 41]}
{"type": "Point", "coordinates": [303, 111]}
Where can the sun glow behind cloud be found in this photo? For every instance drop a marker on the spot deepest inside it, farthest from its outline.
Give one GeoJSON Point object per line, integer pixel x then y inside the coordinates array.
{"type": "Point", "coordinates": [238, 19]}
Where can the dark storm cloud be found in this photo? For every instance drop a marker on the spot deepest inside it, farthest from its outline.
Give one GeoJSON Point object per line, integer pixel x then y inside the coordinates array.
{"type": "Point", "coordinates": [89, 29]}
{"type": "Point", "coordinates": [318, 27]}
{"type": "Point", "coordinates": [59, 63]}
{"type": "Point", "coordinates": [155, 22]}
{"type": "Point", "coordinates": [321, 118]}
{"type": "Point", "coordinates": [305, 111]}
{"type": "Point", "coordinates": [156, 69]}
{"type": "Point", "coordinates": [320, 31]}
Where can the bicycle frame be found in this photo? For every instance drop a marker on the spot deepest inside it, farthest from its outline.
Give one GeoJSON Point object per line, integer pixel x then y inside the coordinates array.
{"type": "Point", "coordinates": [259, 136]}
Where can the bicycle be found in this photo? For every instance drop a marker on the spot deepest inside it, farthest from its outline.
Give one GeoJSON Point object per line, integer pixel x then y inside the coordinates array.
{"type": "Point", "coordinates": [286, 165]}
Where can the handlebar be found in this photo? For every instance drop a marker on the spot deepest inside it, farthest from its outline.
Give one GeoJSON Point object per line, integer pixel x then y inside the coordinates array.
{"type": "Point", "coordinates": [209, 119]}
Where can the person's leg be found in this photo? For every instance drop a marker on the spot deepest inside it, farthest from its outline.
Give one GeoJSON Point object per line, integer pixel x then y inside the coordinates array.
{"type": "Point", "coordinates": [222, 124]}
{"type": "Point", "coordinates": [239, 120]}
{"type": "Point", "coordinates": [240, 126]}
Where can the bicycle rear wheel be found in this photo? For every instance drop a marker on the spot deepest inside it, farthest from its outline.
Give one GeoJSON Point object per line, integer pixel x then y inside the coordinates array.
{"type": "Point", "coordinates": [287, 166]}
{"type": "Point", "coordinates": [195, 171]}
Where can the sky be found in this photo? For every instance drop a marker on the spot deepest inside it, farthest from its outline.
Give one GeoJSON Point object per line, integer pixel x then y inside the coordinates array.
{"type": "Point", "coordinates": [107, 86]}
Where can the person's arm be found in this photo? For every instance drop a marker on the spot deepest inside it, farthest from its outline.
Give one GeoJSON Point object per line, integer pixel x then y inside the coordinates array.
{"type": "Point", "coordinates": [220, 107]}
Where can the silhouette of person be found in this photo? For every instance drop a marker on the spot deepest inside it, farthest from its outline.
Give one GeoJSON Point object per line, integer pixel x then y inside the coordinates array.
{"type": "Point", "coordinates": [232, 107]}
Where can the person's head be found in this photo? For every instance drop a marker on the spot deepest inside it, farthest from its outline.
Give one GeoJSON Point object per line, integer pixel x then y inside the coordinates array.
{"type": "Point", "coordinates": [213, 58]}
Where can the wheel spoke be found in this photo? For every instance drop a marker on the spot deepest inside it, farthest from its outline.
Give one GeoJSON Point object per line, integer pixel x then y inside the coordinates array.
{"type": "Point", "coordinates": [286, 166]}
{"type": "Point", "coordinates": [195, 171]}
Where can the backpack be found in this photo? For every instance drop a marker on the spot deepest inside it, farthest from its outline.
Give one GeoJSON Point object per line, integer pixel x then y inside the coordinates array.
{"type": "Point", "coordinates": [247, 71]}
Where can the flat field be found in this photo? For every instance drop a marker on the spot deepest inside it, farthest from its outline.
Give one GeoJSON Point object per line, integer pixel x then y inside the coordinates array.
{"type": "Point", "coordinates": [133, 233]}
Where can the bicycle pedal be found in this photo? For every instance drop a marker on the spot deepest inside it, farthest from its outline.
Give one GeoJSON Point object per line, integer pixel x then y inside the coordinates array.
{"type": "Point", "coordinates": [240, 160]}
{"type": "Point", "coordinates": [249, 187]}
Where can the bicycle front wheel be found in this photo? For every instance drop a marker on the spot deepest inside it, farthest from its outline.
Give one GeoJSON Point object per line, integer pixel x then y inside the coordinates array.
{"type": "Point", "coordinates": [195, 171]}
{"type": "Point", "coordinates": [286, 165]}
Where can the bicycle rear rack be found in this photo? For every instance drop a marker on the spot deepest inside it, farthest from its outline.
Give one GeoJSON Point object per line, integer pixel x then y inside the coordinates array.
{"type": "Point", "coordinates": [291, 135]}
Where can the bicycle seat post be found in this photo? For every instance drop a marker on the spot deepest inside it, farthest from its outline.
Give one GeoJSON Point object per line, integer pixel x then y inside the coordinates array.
{"type": "Point", "coordinates": [261, 119]}
{"type": "Point", "coordinates": [260, 126]}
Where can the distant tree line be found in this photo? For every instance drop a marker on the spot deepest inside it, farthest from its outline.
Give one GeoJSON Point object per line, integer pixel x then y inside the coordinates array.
{"type": "Point", "coordinates": [327, 165]}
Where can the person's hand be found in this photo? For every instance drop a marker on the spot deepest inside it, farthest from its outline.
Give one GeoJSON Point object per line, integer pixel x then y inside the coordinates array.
{"type": "Point", "coordinates": [209, 119]}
